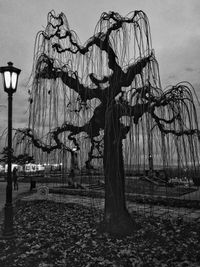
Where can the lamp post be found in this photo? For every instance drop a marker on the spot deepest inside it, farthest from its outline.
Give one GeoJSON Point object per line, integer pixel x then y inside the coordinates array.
{"type": "Point", "coordinates": [10, 78]}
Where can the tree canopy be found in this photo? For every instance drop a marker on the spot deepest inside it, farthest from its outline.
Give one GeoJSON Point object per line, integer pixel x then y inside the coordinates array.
{"type": "Point", "coordinates": [74, 85]}
{"type": "Point", "coordinates": [20, 159]}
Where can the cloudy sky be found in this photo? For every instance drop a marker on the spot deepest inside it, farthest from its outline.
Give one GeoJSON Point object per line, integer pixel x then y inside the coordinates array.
{"type": "Point", "coordinates": [175, 30]}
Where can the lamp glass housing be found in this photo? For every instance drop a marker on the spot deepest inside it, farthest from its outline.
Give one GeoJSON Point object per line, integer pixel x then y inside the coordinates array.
{"type": "Point", "coordinates": [10, 77]}
{"type": "Point", "coordinates": [10, 80]}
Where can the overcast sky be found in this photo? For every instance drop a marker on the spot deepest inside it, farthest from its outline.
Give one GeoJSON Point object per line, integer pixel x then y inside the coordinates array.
{"type": "Point", "coordinates": [175, 31]}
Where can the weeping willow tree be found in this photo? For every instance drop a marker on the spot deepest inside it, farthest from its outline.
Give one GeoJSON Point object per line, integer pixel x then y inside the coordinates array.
{"type": "Point", "coordinates": [104, 99]}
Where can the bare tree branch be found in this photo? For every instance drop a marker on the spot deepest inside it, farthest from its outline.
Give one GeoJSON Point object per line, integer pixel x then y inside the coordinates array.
{"type": "Point", "coordinates": [71, 80]}
{"type": "Point", "coordinates": [134, 69]}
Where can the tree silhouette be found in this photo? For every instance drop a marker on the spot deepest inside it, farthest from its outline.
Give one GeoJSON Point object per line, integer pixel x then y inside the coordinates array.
{"type": "Point", "coordinates": [4, 156]}
{"type": "Point", "coordinates": [23, 159]}
{"type": "Point", "coordinates": [20, 159]}
{"type": "Point", "coordinates": [100, 91]}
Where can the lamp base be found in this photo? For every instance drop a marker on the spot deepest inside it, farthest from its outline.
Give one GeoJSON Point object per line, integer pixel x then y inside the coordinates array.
{"type": "Point", "coordinates": [7, 229]}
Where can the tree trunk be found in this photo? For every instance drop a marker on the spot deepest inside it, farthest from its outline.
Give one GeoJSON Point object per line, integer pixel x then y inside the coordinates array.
{"type": "Point", "coordinates": [117, 220]}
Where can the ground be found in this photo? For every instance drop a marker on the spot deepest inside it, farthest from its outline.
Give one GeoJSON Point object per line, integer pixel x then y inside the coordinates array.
{"type": "Point", "coordinates": [56, 234]}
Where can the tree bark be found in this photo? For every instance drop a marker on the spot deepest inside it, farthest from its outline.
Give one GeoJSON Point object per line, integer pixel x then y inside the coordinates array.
{"type": "Point", "coordinates": [117, 220]}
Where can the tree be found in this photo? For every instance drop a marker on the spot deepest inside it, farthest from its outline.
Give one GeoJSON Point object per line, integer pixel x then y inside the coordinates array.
{"type": "Point", "coordinates": [4, 156]}
{"type": "Point", "coordinates": [113, 76]}
{"type": "Point", "coordinates": [20, 159]}
{"type": "Point", "coordinates": [23, 159]}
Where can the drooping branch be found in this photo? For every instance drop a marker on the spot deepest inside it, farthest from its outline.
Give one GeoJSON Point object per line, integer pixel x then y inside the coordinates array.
{"type": "Point", "coordinates": [94, 145]}
{"type": "Point", "coordinates": [136, 111]}
{"type": "Point", "coordinates": [85, 92]}
{"type": "Point", "coordinates": [188, 132]}
{"type": "Point", "coordinates": [92, 128]}
{"type": "Point", "coordinates": [27, 133]}
{"type": "Point", "coordinates": [134, 69]}
{"type": "Point", "coordinates": [70, 79]}
{"type": "Point", "coordinates": [177, 99]}
{"type": "Point", "coordinates": [100, 40]}
{"type": "Point", "coordinates": [54, 135]}
{"type": "Point", "coordinates": [171, 99]}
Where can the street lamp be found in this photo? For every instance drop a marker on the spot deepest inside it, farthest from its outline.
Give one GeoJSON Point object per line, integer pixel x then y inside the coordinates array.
{"type": "Point", "coordinates": [10, 78]}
